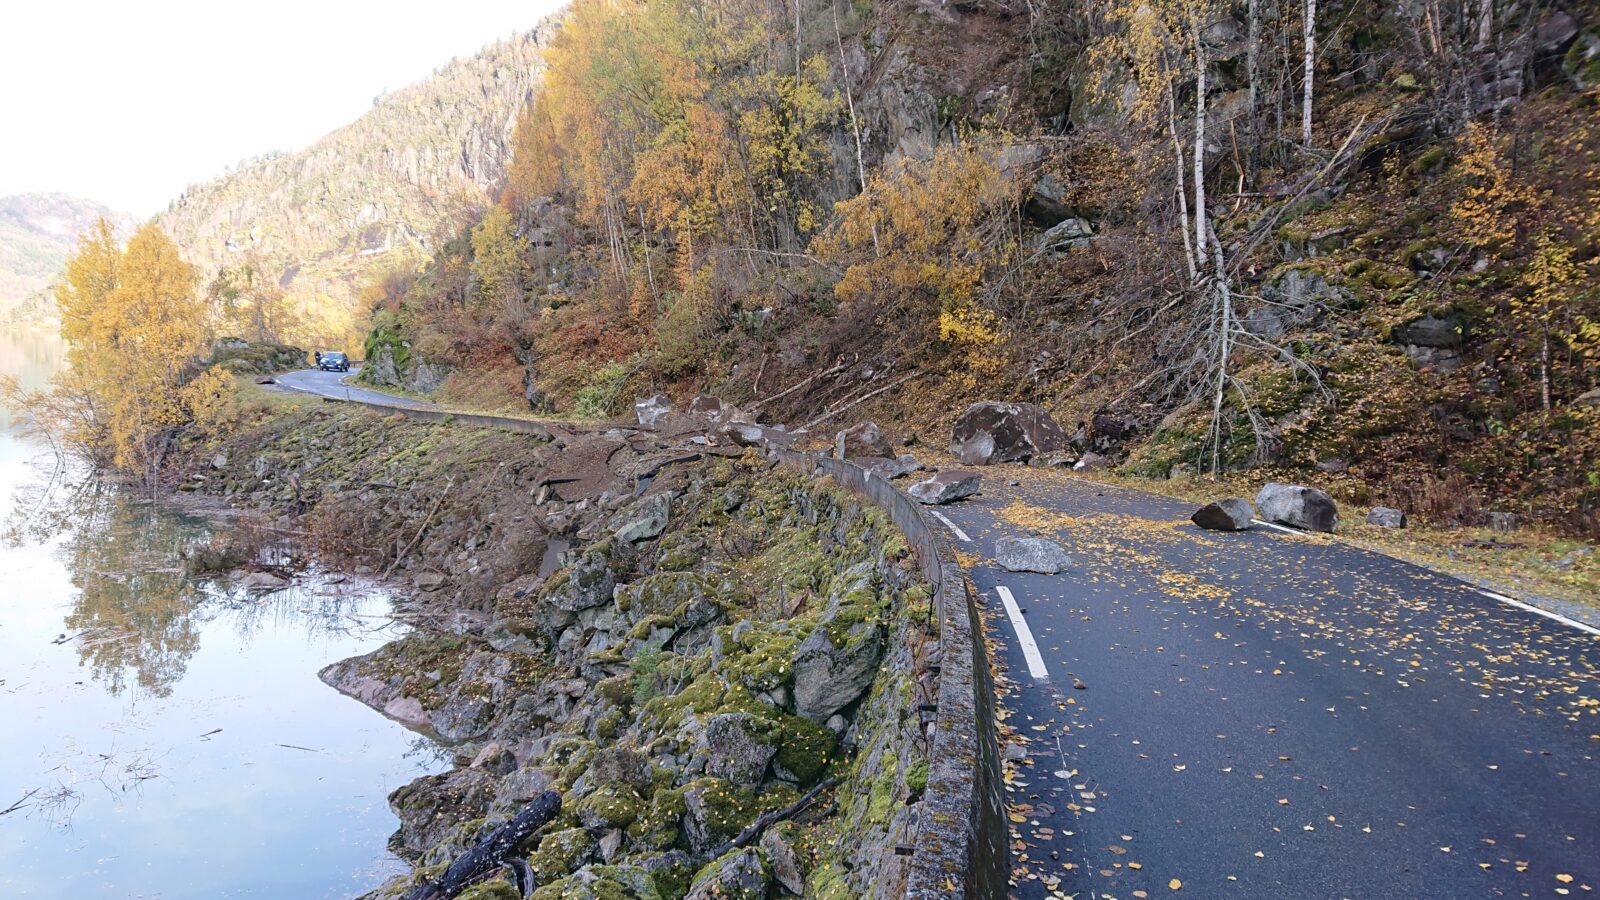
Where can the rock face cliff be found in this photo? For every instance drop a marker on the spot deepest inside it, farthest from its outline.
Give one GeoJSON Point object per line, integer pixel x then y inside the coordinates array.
{"type": "Point", "coordinates": [316, 221]}
{"type": "Point", "coordinates": [37, 234]}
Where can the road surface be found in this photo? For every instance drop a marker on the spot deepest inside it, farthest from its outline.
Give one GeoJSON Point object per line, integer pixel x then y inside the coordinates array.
{"type": "Point", "coordinates": [332, 384]}
{"type": "Point", "coordinates": [1276, 716]}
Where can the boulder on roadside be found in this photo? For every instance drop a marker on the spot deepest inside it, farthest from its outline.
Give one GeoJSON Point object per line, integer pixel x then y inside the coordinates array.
{"type": "Point", "coordinates": [1092, 461]}
{"type": "Point", "coordinates": [714, 410]}
{"type": "Point", "coordinates": [991, 432]}
{"type": "Point", "coordinates": [644, 519]}
{"type": "Point", "coordinates": [1297, 505]}
{"type": "Point", "coordinates": [1031, 554]}
{"type": "Point", "coordinates": [862, 439]}
{"type": "Point", "coordinates": [889, 468]}
{"type": "Point", "coordinates": [945, 487]}
{"type": "Point", "coordinates": [1232, 514]}
{"type": "Point", "coordinates": [1386, 517]}
{"type": "Point", "coordinates": [650, 410]}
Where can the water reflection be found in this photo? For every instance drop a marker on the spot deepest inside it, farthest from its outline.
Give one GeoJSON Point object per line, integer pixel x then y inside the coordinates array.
{"type": "Point", "coordinates": [167, 736]}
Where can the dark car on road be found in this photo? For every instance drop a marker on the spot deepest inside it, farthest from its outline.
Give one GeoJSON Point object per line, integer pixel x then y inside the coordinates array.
{"type": "Point", "coordinates": [333, 362]}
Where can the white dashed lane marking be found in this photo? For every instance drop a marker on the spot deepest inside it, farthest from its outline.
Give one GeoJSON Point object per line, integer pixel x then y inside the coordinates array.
{"type": "Point", "coordinates": [1030, 647]}
{"type": "Point", "coordinates": [951, 525]}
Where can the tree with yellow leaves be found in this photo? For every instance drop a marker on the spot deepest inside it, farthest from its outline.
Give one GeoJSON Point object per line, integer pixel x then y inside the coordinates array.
{"type": "Point", "coordinates": [134, 325]}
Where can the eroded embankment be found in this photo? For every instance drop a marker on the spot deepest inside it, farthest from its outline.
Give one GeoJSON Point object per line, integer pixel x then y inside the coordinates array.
{"type": "Point", "coordinates": [675, 641]}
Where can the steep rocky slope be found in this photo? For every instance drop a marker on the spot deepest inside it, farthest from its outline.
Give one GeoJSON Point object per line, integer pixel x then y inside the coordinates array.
{"type": "Point", "coordinates": [676, 638]}
{"type": "Point", "coordinates": [383, 188]}
{"type": "Point", "coordinates": [37, 234]}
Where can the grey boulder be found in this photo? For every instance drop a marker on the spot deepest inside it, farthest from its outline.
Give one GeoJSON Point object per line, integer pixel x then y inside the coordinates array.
{"type": "Point", "coordinates": [1298, 506]}
{"type": "Point", "coordinates": [651, 410]}
{"type": "Point", "coordinates": [1233, 514]}
{"type": "Point", "coordinates": [1031, 554]}
{"type": "Point", "coordinates": [990, 432]}
{"type": "Point", "coordinates": [1386, 517]}
{"type": "Point", "coordinates": [645, 519]}
{"type": "Point", "coordinates": [738, 876]}
{"type": "Point", "coordinates": [945, 487]}
{"type": "Point", "coordinates": [862, 439]}
{"type": "Point", "coordinates": [829, 676]}
{"type": "Point", "coordinates": [737, 753]}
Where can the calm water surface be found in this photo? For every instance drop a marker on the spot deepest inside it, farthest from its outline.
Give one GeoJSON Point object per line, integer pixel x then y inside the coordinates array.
{"type": "Point", "coordinates": [167, 739]}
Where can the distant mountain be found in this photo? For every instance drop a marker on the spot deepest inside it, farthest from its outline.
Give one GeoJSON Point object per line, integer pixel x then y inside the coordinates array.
{"type": "Point", "coordinates": [37, 234]}
{"type": "Point", "coordinates": [380, 189]}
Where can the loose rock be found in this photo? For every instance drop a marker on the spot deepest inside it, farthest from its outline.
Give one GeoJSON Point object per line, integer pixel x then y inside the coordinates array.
{"type": "Point", "coordinates": [1302, 507]}
{"type": "Point", "coordinates": [990, 432]}
{"type": "Point", "coordinates": [945, 487]}
{"type": "Point", "coordinates": [651, 410]}
{"type": "Point", "coordinates": [1386, 517]}
{"type": "Point", "coordinates": [1233, 514]}
{"type": "Point", "coordinates": [862, 439]}
{"type": "Point", "coordinates": [1031, 555]}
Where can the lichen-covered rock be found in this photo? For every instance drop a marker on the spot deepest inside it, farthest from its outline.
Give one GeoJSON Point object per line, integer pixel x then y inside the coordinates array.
{"type": "Point", "coordinates": [1031, 554]}
{"type": "Point", "coordinates": [597, 882]}
{"type": "Point", "coordinates": [991, 432]}
{"type": "Point", "coordinates": [620, 766]}
{"type": "Point", "coordinates": [741, 875]}
{"type": "Point", "coordinates": [836, 663]}
{"type": "Point", "coordinates": [1297, 505]}
{"type": "Point", "coordinates": [645, 519]}
{"type": "Point", "coordinates": [737, 751]}
{"type": "Point", "coordinates": [1232, 514]}
{"type": "Point", "coordinates": [430, 807]}
{"type": "Point", "coordinates": [785, 861]}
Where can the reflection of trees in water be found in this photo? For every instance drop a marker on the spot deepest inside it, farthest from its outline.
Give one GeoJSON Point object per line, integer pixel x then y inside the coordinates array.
{"type": "Point", "coordinates": [136, 618]}
{"type": "Point", "coordinates": [133, 600]}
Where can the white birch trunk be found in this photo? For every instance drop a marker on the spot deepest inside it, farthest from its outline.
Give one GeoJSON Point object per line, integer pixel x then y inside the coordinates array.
{"type": "Point", "coordinates": [1311, 64]}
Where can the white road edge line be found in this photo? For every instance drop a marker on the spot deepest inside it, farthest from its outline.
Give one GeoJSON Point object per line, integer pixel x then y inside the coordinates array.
{"type": "Point", "coordinates": [953, 526]}
{"type": "Point", "coordinates": [1030, 647]}
{"type": "Point", "coordinates": [1511, 601]}
{"type": "Point", "coordinates": [1492, 595]}
{"type": "Point", "coordinates": [1275, 526]}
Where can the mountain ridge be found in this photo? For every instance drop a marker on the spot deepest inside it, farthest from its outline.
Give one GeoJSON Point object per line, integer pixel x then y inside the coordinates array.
{"type": "Point", "coordinates": [376, 192]}
{"type": "Point", "coordinates": [38, 231]}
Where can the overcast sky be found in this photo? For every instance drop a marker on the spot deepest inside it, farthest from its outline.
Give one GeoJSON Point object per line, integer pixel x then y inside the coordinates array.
{"type": "Point", "coordinates": [128, 103]}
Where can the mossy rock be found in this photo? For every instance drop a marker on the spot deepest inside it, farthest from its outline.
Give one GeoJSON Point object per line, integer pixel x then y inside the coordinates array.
{"type": "Point", "coordinates": [560, 853]}
{"type": "Point", "coordinates": [496, 889]}
{"type": "Point", "coordinates": [609, 807]}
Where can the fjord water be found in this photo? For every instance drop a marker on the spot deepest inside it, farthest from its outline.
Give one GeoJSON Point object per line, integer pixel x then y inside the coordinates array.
{"type": "Point", "coordinates": [161, 738]}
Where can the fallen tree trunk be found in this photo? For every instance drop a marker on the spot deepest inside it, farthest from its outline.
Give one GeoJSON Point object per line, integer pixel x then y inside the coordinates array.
{"type": "Point", "coordinates": [490, 854]}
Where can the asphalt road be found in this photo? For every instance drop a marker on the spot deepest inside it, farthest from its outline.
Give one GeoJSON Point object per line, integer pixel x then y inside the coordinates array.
{"type": "Point", "coordinates": [332, 384]}
{"type": "Point", "coordinates": [1277, 716]}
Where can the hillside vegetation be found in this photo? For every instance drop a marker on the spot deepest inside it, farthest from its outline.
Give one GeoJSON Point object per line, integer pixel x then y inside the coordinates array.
{"type": "Point", "coordinates": [1351, 238]}
{"type": "Point", "coordinates": [37, 234]}
{"type": "Point", "coordinates": [383, 189]}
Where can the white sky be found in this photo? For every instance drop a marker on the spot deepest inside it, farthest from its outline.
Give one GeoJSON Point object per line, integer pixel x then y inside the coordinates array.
{"type": "Point", "coordinates": [129, 103]}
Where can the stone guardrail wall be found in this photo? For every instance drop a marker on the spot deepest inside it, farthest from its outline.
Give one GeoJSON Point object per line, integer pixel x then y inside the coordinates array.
{"type": "Point", "coordinates": [960, 850]}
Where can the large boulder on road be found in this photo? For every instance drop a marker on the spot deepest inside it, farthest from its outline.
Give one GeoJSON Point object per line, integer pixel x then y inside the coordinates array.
{"type": "Point", "coordinates": [945, 487]}
{"type": "Point", "coordinates": [1031, 554]}
{"type": "Point", "coordinates": [1232, 514]}
{"type": "Point", "coordinates": [990, 432]}
{"type": "Point", "coordinates": [1298, 506]}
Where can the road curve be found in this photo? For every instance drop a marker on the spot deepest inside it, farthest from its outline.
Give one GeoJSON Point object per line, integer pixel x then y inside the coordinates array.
{"type": "Point", "coordinates": [333, 384]}
{"type": "Point", "coordinates": [1276, 716]}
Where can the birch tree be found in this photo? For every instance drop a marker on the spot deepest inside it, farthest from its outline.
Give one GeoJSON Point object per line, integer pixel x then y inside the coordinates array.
{"type": "Point", "coordinates": [1310, 70]}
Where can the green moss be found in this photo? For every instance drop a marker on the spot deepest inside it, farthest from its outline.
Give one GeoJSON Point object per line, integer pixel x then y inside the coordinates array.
{"type": "Point", "coordinates": [498, 889]}
{"type": "Point", "coordinates": [804, 747]}
{"type": "Point", "coordinates": [830, 882]}
{"type": "Point", "coordinates": [917, 777]}
{"type": "Point", "coordinates": [560, 853]}
{"type": "Point", "coordinates": [612, 806]}
{"type": "Point", "coordinates": [881, 792]}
